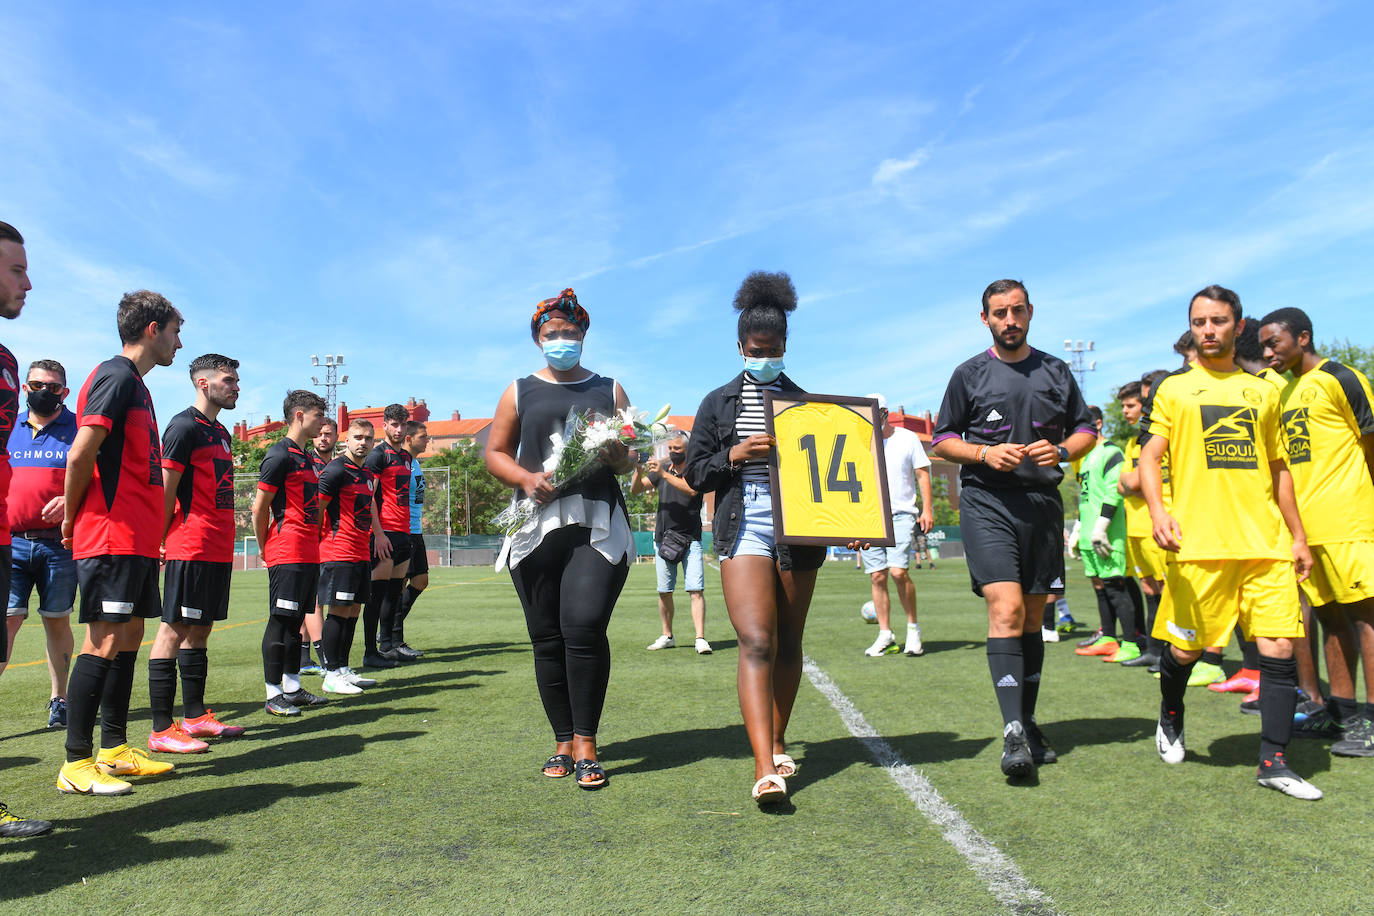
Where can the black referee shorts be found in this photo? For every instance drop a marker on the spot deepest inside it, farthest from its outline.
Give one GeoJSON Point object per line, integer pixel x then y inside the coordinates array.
{"type": "Point", "coordinates": [1013, 535]}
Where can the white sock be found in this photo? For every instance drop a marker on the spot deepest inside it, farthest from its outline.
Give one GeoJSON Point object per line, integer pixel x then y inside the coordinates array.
{"type": "Point", "coordinates": [885, 634]}
{"type": "Point", "coordinates": [290, 683]}
{"type": "Point", "coordinates": [913, 629]}
{"type": "Point", "coordinates": [273, 691]}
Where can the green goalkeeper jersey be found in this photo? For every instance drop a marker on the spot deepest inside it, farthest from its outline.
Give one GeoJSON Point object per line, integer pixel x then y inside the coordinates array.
{"type": "Point", "coordinates": [1097, 477]}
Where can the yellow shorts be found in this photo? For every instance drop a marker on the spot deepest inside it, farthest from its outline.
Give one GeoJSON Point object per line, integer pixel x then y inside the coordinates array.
{"type": "Point", "coordinates": [1341, 573]}
{"type": "Point", "coordinates": [1203, 601]}
{"type": "Point", "coordinates": [1148, 558]}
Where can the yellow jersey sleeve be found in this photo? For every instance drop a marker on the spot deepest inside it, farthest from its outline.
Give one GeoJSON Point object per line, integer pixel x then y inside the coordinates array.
{"type": "Point", "coordinates": [1325, 413]}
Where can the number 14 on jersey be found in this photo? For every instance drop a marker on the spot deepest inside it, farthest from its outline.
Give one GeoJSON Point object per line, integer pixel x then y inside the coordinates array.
{"type": "Point", "coordinates": [829, 481]}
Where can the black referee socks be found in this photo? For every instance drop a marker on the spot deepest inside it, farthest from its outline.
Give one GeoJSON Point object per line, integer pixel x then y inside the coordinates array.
{"type": "Point", "coordinates": [1033, 662]}
{"type": "Point", "coordinates": [1007, 664]}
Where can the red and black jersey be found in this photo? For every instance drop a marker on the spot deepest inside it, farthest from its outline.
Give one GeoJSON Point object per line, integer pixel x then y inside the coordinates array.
{"type": "Point", "coordinates": [348, 517]}
{"type": "Point", "coordinates": [121, 514]}
{"type": "Point", "coordinates": [202, 525]}
{"type": "Point", "coordinates": [319, 461]}
{"type": "Point", "coordinates": [391, 467]}
{"type": "Point", "coordinates": [293, 534]}
{"type": "Point", "coordinates": [9, 411]}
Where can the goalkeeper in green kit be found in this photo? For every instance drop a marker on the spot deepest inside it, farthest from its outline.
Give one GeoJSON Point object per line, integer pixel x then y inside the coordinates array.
{"type": "Point", "coordinates": [1099, 538]}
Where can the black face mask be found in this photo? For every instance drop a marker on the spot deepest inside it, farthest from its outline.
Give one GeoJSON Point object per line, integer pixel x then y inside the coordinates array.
{"type": "Point", "coordinates": [677, 457]}
{"type": "Point", "coordinates": [43, 402]}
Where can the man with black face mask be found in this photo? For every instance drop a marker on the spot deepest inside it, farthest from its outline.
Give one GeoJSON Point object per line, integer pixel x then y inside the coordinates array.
{"type": "Point", "coordinates": [677, 537]}
{"type": "Point", "coordinates": [38, 455]}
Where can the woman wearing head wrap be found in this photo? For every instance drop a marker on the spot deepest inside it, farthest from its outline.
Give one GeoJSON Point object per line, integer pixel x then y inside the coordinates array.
{"type": "Point", "coordinates": [570, 561]}
{"type": "Point", "coordinates": [767, 585]}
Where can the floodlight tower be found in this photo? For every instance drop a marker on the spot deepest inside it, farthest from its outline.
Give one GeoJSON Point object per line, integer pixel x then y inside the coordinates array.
{"type": "Point", "coordinates": [331, 382]}
{"type": "Point", "coordinates": [1079, 365]}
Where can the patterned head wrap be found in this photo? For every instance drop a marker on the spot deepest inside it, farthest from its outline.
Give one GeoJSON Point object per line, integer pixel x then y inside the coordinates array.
{"type": "Point", "coordinates": [565, 304]}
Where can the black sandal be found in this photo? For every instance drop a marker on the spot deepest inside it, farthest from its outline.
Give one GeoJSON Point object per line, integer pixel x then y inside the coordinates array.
{"type": "Point", "coordinates": [593, 769]}
{"type": "Point", "coordinates": [563, 761]}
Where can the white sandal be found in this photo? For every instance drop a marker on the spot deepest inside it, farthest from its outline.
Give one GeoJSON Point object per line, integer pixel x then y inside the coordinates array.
{"type": "Point", "coordinates": [782, 760]}
{"type": "Point", "coordinates": [770, 789]}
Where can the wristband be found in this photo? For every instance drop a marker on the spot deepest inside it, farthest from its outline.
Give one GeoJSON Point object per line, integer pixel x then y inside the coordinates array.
{"type": "Point", "coordinates": [983, 454]}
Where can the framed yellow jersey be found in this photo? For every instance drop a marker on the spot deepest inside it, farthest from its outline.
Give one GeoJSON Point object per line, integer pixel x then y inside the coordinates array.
{"type": "Point", "coordinates": [828, 475]}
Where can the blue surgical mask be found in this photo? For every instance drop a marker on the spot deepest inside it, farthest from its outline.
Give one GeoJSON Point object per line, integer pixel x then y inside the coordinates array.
{"type": "Point", "coordinates": [562, 354]}
{"type": "Point", "coordinates": [765, 370]}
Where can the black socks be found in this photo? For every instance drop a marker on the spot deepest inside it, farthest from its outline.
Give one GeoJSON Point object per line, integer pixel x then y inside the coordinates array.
{"type": "Point", "coordinates": [84, 689]}
{"type": "Point", "coordinates": [195, 666]}
{"type": "Point", "coordinates": [162, 690]}
{"type": "Point", "coordinates": [1007, 665]}
{"type": "Point", "coordinates": [1277, 698]}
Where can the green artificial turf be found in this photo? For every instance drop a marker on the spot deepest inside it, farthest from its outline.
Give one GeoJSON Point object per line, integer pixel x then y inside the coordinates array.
{"type": "Point", "coordinates": [425, 793]}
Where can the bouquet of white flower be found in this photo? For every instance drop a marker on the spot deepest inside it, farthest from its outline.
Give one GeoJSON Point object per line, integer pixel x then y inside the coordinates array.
{"type": "Point", "coordinates": [580, 449]}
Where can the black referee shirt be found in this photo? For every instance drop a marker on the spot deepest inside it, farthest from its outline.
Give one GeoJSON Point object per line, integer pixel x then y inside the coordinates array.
{"type": "Point", "coordinates": [989, 402]}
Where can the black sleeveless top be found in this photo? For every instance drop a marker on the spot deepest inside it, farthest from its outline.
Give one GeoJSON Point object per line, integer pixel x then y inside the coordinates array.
{"type": "Point", "coordinates": [542, 409]}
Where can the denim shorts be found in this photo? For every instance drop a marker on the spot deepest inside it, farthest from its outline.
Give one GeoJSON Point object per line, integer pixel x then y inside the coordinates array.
{"type": "Point", "coordinates": [898, 556]}
{"type": "Point", "coordinates": [756, 528]}
{"type": "Point", "coordinates": [693, 579]}
{"type": "Point", "coordinates": [48, 565]}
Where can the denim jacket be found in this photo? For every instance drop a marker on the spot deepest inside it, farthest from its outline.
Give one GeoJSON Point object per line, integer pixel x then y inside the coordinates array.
{"type": "Point", "coordinates": [708, 468]}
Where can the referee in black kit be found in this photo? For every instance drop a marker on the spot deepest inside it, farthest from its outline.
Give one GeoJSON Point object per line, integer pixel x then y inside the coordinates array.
{"type": "Point", "coordinates": [1011, 415]}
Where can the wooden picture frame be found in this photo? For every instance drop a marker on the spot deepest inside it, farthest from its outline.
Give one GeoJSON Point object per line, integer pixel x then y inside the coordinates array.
{"type": "Point", "coordinates": [829, 486]}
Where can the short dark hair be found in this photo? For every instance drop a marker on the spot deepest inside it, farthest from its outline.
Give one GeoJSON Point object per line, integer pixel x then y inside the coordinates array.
{"type": "Point", "coordinates": [1295, 320]}
{"type": "Point", "coordinates": [141, 308]}
{"type": "Point", "coordinates": [211, 362]}
{"type": "Point", "coordinates": [396, 412]}
{"type": "Point", "coordinates": [1185, 342]}
{"type": "Point", "coordinates": [50, 365]}
{"type": "Point", "coordinates": [1220, 294]}
{"type": "Point", "coordinates": [1096, 413]}
{"type": "Point", "coordinates": [1151, 380]}
{"type": "Point", "coordinates": [763, 301]}
{"type": "Point", "coordinates": [330, 421]}
{"type": "Point", "coordinates": [10, 234]}
{"type": "Point", "coordinates": [1248, 345]}
{"type": "Point", "coordinates": [998, 287]}
{"type": "Point", "coordinates": [1129, 391]}
{"type": "Point", "coordinates": [300, 399]}
{"type": "Point", "coordinates": [413, 428]}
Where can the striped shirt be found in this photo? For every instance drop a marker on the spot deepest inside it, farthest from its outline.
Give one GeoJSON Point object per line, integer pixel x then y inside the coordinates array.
{"type": "Point", "coordinates": [751, 422]}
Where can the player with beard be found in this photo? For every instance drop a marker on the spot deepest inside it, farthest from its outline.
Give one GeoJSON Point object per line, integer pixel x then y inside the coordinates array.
{"type": "Point", "coordinates": [350, 532]}
{"type": "Point", "coordinates": [114, 523]}
{"type": "Point", "coordinates": [321, 453]}
{"type": "Point", "coordinates": [1011, 415]}
{"type": "Point", "coordinates": [198, 494]}
{"type": "Point", "coordinates": [1232, 497]}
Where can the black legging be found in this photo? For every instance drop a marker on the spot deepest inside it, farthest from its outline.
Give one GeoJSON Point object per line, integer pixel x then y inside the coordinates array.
{"type": "Point", "coordinates": [568, 591]}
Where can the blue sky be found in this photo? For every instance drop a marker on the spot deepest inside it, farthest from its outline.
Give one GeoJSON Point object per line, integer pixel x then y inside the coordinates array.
{"type": "Point", "coordinates": [402, 182]}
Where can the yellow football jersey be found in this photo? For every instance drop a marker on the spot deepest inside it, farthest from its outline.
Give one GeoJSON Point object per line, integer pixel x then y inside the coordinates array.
{"type": "Point", "coordinates": [828, 474]}
{"type": "Point", "coordinates": [1137, 512]}
{"type": "Point", "coordinates": [1325, 412]}
{"type": "Point", "coordinates": [1223, 431]}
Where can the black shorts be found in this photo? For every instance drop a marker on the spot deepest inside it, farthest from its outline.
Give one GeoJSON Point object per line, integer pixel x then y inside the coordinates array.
{"type": "Point", "coordinates": [1013, 535]}
{"type": "Point", "coordinates": [195, 592]}
{"type": "Point", "coordinates": [291, 589]}
{"type": "Point", "coordinates": [7, 561]}
{"type": "Point", "coordinates": [118, 588]}
{"type": "Point", "coordinates": [419, 556]}
{"type": "Point", "coordinates": [400, 547]}
{"type": "Point", "coordinates": [344, 582]}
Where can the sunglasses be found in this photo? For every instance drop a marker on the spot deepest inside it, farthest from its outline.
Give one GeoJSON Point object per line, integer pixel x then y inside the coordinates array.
{"type": "Point", "coordinates": [54, 387]}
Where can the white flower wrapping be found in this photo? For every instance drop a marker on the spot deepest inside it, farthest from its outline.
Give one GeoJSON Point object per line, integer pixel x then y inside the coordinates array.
{"type": "Point", "coordinates": [580, 449]}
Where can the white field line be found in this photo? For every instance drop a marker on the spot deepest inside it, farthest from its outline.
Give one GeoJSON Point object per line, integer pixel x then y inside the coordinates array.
{"type": "Point", "coordinates": [999, 872]}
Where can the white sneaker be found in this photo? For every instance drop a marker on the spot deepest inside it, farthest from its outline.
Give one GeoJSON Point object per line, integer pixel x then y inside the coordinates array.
{"type": "Point", "coordinates": [913, 641]}
{"type": "Point", "coordinates": [356, 679]}
{"type": "Point", "coordinates": [336, 682]}
{"type": "Point", "coordinates": [1290, 783]}
{"type": "Point", "coordinates": [1169, 751]}
{"type": "Point", "coordinates": [1048, 635]}
{"type": "Point", "coordinates": [881, 644]}
{"type": "Point", "coordinates": [663, 642]}
{"type": "Point", "coordinates": [703, 647]}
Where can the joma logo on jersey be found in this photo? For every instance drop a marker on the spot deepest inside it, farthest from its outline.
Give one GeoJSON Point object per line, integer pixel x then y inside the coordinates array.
{"type": "Point", "coordinates": [1299, 439]}
{"type": "Point", "coordinates": [1228, 435]}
